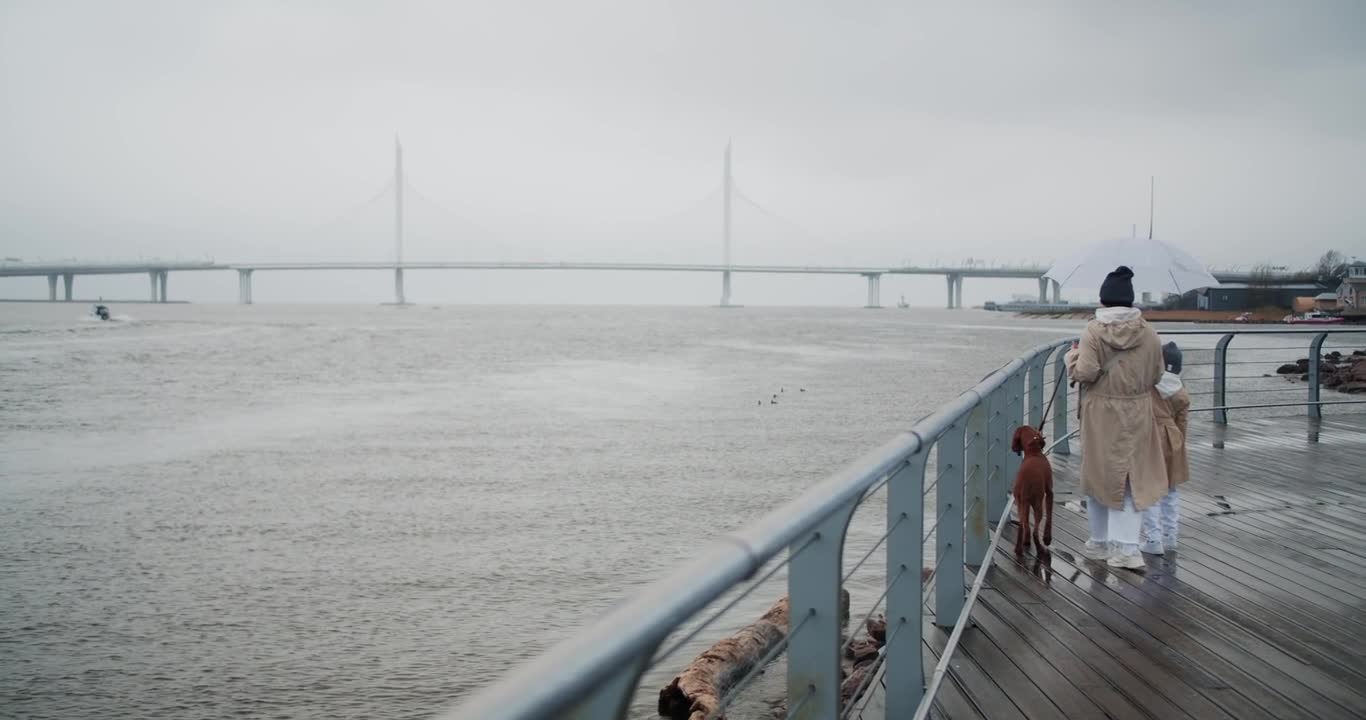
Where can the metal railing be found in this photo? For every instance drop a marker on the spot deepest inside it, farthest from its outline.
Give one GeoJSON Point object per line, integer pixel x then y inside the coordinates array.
{"type": "Point", "coordinates": [1263, 367]}
{"type": "Point", "coordinates": [596, 673]}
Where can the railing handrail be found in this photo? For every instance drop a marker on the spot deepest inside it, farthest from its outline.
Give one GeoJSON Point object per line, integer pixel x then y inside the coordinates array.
{"type": "Point", "coordinates": [1332, 330]}
{"type": "Point", "coordinates": [642, 621]}
{"type": "Point", "coordinates": [628, 634]}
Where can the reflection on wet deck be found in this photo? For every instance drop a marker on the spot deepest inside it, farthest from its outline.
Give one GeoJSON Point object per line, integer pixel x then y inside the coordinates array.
{"type": "Point", "coordinates": [1261, 613]}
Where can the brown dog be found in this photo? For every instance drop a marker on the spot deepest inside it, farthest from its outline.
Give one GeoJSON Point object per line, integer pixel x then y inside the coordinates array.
{"type": "Point", "coordinates": [1033, 490]}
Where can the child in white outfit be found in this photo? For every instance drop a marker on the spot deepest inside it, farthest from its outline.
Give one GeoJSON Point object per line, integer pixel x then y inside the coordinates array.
{"type": "Point", "coordinates": [1171, 405]}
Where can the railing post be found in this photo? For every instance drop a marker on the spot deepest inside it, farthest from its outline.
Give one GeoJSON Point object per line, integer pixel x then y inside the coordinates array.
{"type": "Point", "coordinates": [1037, 368]}
{"type": "Point", "coordinates": [975, 464]}
{"type": "Point", "coordinates": [905, 593]}
{"type": "Point", "coordinates": [1014, 417]}
{"type": "Point", "coordinates": [948, 534]}
{"type": "Point", "coordinates": [1220, 382]}
{"type": "Point", "coordinates": [997, 482]}
{"type": "Point", "coordinates": [815, 618]}
{"type": "Point", "coordinates": [612, 698]}
{"type": "Point", "coordinates": [1060, 404]}
{"type": "Point", "coordinates": [1315, 358]}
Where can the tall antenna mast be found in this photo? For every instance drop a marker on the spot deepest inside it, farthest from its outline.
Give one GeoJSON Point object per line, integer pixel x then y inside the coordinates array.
{"type": "Point", "coordinates": [1152, 190]}
{"type": "Point", "coordinates": [398, 201]}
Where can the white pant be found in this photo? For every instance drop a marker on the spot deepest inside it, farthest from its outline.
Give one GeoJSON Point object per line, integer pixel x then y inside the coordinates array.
{"type": "Point", "coordinates": [1162, 519]}
{"type": "Point", "coordinates": [1118, 526]}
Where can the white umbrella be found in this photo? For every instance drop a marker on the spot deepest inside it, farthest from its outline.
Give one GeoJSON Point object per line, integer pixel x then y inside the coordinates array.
{"type": "Point", "coordinates": [1157, 266]}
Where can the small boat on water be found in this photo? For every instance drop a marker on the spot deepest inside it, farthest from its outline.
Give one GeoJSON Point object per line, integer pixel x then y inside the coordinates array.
{"type": "Point", "coordinates": [1314, 318]}
{"type": "Point", "coordinates": [102, 312]}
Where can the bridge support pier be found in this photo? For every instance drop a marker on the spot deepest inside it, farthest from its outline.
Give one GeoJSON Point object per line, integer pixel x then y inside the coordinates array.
{"type": "Point", "coordinates": [725, 288]}
{"type": "Point", "coordinates": [52, 288]}
{"type": "Point", "coordinates": [152, 279]}
{"type": "Point", "coordinates": [68, 284]}
{"type": "Point", "coordinates": [399, 298]}
{"type": "Point", "coordinates": [955, 283]}
{"type": "Point", "coordinates": [874, 290]}
{"type": "Point", "coordinates": [244, 287]}
{"type": "Point", "coordinates": [1057, 292]}
{"type": "Point", "coordinates": [161, 280]}
{"type": "Point", "coordinates": [1043, 290]}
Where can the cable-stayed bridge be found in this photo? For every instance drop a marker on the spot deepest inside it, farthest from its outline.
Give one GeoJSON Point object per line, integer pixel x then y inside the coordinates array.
{"type": "Point", "coordinates": [734, 206]}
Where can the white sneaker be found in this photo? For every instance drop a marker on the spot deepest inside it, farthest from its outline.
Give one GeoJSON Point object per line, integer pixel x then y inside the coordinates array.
{"type": "Point", "coordinates": [1151, 547]}
{"type": "Point", "coordinates": [1128, 562]}
{"type": "Point", "coordinates": [1093, 550]}
{"type": "Point", "coordinates": [1169, 543]}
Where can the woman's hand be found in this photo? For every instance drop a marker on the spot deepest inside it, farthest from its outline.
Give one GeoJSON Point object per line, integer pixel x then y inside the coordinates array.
{"type": "Point", "coordinates": [1070, 360]}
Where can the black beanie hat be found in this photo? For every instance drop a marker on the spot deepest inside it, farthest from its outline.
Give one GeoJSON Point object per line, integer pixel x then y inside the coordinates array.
{"type": "Point", "coordinates": [1118, 288]}
{"type": "Point", "coordinates": [1171, 356]}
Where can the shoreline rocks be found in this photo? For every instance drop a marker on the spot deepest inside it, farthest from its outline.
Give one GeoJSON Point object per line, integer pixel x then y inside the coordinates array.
{"type": "Point", "coordinates": [1337, 371]}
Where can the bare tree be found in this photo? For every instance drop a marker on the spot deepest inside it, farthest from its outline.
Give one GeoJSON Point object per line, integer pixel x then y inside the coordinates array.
{"type": "Point", "coordinates": [1331, 268]}
{"type": "Point", "coordinates": [1259, 287]}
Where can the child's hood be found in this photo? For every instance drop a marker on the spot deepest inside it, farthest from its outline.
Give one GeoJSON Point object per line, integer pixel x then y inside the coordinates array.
{"type": "Point", "coordinates": [1169, 385]}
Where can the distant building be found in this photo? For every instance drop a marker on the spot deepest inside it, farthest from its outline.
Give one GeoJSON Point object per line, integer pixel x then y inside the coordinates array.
{"type": "Point", "coordinates": [1352, 292]}
{"type": "Point", "coordinates": [1327, 301]}
{"type": "Point", "coordinates": [1243, 296]}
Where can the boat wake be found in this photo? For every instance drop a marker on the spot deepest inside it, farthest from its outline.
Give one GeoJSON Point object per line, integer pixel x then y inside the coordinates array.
{"type": "Point", "coordinates": [114, 319]}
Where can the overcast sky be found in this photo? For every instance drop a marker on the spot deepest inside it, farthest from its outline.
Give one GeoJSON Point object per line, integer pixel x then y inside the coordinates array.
{"type": "Point", "coordinates": [879, 132]}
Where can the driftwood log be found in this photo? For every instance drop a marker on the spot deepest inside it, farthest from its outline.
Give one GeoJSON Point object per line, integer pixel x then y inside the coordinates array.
{"type": "Point", "coordinates": [862, 658]}
{"type": "Point", "coordinates": [696, 693]}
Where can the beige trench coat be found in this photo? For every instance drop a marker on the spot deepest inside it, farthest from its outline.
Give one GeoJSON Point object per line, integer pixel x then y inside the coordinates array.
{"type": "Point", "coordinates": [1171, 414]}
{"type": "Point", "coordinates": [1119, 438]}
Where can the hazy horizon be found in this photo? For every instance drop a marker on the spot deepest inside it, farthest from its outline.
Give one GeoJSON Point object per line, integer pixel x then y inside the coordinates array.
{"type": "Point", "coordinates": [870, 136]}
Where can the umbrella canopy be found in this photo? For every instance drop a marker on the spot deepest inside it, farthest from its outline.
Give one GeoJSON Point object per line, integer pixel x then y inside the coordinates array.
{"type": "Point", "coordinates": [1157, 266]}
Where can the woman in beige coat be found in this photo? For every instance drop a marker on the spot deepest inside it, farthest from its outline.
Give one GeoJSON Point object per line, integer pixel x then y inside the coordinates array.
{"type": "Point", "coordinates": [1117, 362]}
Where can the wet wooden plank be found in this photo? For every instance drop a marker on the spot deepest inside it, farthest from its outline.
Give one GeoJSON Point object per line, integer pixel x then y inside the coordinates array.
{"type": "Point", "coordinates": [1201, 577]}
{"type": "Point", "coordinates": [977, 686]}
{"type": "Point", "coordinates": [1160, 693]}
{"type": "Point", "coordinates": [1213, 536]}
{"type": "Point", "coordinates": [1073, 684]}
{"type": "Point", "coordinates": [1290, 676]}
{"type": "Point", "coordinates": [1281, 538]}
{"type": "Point", "coordinates": [950, 702]}
{"type": "Point", "coordinates": [1173, 653]}
{"type": "Point", "coordinates": [1019, 646]}
{"type": "Point", "coordinates": [1243, 584]}
{"type": "Point", "coordinates": [1260, 614]}
{"type": "Point", "coordinates": [1324, 651]}
{"type": "Point", "coordinates": [1202, 545]}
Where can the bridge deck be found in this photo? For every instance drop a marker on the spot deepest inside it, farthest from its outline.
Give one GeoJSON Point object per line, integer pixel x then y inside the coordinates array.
{"type": "Point", "coordinates": [1261, 613]}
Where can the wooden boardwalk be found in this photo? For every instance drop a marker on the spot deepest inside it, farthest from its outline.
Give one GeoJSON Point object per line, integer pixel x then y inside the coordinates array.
{"type": "Point", "coordinates": [1260, 614]}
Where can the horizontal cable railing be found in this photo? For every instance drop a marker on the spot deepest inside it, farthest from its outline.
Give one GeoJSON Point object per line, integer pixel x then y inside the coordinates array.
{"type": "Point", "coordinates": [1248, 390]}
{"type": "Point", "coordinates": [944, 488]}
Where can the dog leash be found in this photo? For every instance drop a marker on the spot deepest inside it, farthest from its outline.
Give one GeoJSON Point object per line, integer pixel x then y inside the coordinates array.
{"type": "Point", "coordinates": [1056, 384]}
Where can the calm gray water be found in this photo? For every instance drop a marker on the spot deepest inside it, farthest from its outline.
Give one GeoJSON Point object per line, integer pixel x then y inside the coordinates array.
{"type": "Point", "coordinates": [318, 512]}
